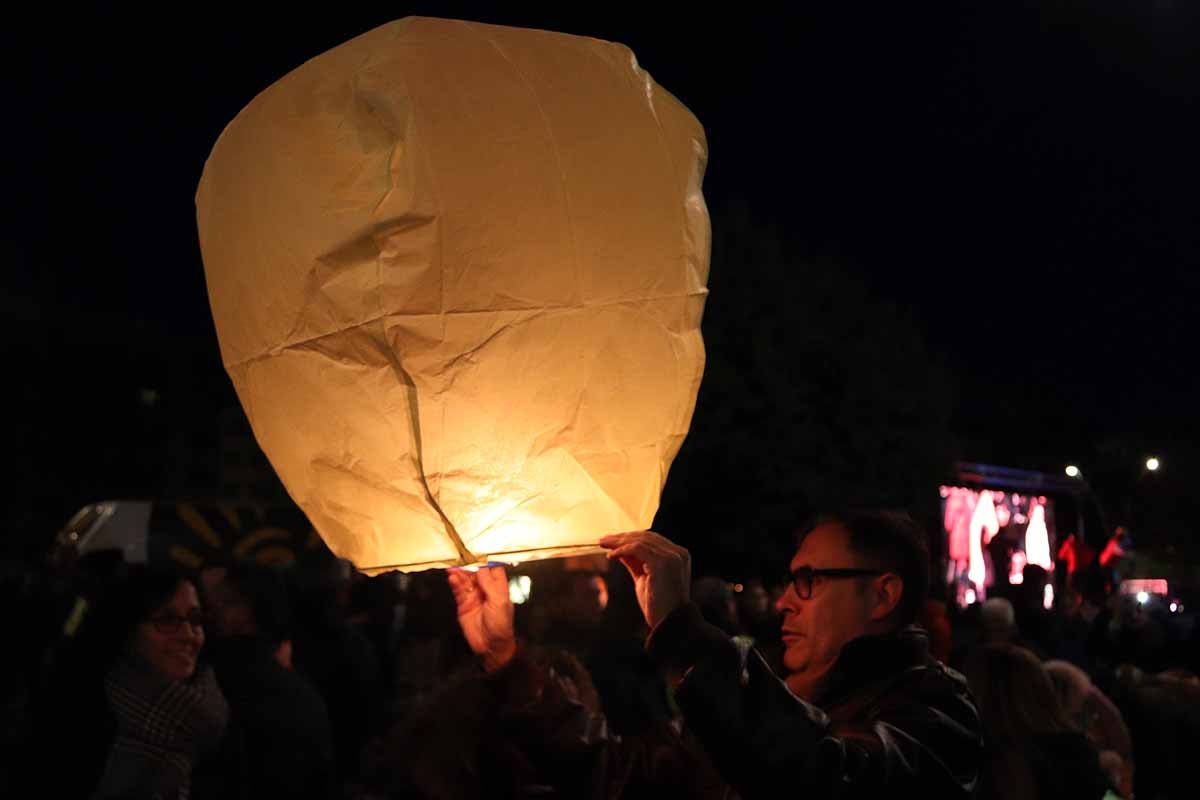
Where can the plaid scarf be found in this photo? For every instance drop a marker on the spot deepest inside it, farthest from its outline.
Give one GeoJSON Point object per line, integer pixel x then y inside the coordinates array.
{"type": "Point", "coordinates": [162, 727]}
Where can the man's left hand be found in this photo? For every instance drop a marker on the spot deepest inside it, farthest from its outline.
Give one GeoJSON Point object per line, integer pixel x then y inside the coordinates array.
{"type": "Point", "coordinates": [661, 570]}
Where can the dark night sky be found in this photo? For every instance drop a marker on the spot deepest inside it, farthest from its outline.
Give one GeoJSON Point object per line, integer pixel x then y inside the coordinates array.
{"type": "Point", "coordinates": [1023, 180]}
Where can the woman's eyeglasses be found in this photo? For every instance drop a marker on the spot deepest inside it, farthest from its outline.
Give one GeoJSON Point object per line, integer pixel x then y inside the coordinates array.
{"type": "Point", "coordinates": [171, 623]}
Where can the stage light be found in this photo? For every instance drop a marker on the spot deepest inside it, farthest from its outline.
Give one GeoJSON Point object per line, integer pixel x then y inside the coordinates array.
{"type": "Point", "coordinates": [1072, 471]}
{"type": "Point", "coordinates": [1153, 464]}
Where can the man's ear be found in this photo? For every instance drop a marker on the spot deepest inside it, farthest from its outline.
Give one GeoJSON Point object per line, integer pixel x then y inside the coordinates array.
{"type": "Point", "coordinates": [887, 591]}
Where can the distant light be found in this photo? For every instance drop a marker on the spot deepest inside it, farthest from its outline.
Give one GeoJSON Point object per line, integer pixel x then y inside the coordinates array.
{"type": "Point", "coordinates": [737, 587]}
{"type": "Point", "coordinates": [1174, 607]}
{"type": "Point", "coordinates": [518, 588]}
{"type": "Point", "coordinates": [1151, 585]}
{"type": "Point", "coordinates": [1048, 597]}
{"type": "Point", "coordinates": [969, 596]}
{"type": "Point", "coordinates": [1153, 464]}
{"type": "Point", "coordinates": [1072, 471]}
{"type": "Point", "coordinates": [1143, 597]}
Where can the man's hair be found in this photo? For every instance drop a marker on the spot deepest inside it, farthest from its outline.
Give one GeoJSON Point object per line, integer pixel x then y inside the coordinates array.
{"type": "Point", "coordinates": [997, 617]}
{"type": "Point", "coordinates": [262, 591]}
{"type": "Point", "coordinates": [889, 541]}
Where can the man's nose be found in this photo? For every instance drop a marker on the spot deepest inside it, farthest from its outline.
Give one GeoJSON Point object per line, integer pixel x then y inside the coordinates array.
{"type": "Point", "coordinates": [786, 600]}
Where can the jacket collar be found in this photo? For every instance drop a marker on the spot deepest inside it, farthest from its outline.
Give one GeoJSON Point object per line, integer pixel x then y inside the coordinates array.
{"type": "Point", "coordinates": [869, 659]}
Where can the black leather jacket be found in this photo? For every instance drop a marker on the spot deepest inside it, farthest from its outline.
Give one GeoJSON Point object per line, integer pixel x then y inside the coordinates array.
{"type": "Point", "coordinates": [892, 722]}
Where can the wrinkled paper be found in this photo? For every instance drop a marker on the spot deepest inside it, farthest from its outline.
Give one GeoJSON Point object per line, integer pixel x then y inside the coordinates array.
{"type": "Point", "coordinates": [457, 273]}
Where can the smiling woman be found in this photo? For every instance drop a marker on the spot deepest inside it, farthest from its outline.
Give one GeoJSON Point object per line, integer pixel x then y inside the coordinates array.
{"type": "Point", "coordinates": [128, 699]}
{"type": "Point", "coordinates": [169, 640]}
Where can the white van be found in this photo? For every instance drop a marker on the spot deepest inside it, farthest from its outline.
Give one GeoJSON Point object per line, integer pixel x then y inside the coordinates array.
{"type": "Point", "coordinates": [189, 534]}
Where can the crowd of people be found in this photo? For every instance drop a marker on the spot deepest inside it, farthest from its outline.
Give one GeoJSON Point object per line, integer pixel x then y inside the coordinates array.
{"type": "Point", "coordinates": [617, 677]}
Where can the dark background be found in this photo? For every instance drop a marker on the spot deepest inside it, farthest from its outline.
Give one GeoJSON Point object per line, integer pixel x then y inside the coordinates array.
{"type": "Point", "coordinates": [940, 232]}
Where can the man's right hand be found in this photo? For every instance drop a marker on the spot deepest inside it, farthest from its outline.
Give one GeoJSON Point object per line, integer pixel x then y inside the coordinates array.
{"type": "Point", "coordinates": [485, 613]}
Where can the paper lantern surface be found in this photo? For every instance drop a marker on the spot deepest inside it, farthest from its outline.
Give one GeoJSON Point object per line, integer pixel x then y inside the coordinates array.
{"type": "Point", "coordinates": [457, 273]}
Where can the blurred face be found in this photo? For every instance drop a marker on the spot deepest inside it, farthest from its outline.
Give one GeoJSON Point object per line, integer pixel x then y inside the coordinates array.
{"type": "Point", "coordinates": [755, 600]}
{"type": "Point", "coordinates": [839, 610]}
{"type": "Point", "coordinates": [588, 597]}
{"type": "Point", "coordinates": [171, 639]}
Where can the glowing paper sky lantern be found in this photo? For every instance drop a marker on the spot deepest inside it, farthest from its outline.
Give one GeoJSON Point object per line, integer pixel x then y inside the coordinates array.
{"type": "Point", "coordinates": [457, 273]}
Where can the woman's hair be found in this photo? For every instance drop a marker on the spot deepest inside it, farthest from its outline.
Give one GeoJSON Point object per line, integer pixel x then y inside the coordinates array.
{"type": "Point", "coordinates": [1070, 683]}
{"type": "Point", "coordinates": [110, 623]}
{"type": "Point", "coordinates": [1015, 696]}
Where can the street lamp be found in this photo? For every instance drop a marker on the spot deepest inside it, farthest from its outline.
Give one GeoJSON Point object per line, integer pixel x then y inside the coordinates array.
{"type": "Point", "coordinates": [1153, 464]}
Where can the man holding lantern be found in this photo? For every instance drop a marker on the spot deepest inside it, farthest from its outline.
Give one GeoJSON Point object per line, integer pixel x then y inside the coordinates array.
{"type": "Point", "coordinates": [864, 708]}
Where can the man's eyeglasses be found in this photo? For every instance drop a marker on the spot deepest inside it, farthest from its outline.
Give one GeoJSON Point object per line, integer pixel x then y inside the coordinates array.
{"type": "Point", "coordinates": [171, 623]}
{"type": "Point", "coordinates": [802, 578]}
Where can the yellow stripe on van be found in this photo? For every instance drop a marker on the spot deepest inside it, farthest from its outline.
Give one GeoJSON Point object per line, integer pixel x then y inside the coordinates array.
{"type": "Point", "coordinates": [274, 556]}
{"type": "Point", "coordinates": [261, 535]}
{"type": "Point", "coordinates": [182, 555]}
{"type": "Point", "coordinates": [231, 516]}
{"type": "Point", "coordinates": [199, 525]}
